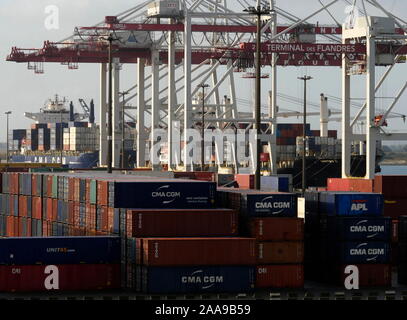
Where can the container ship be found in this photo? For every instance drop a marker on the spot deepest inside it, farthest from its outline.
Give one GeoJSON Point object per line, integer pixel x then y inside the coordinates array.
{"type": "Point", "coordinates": [59, 135]}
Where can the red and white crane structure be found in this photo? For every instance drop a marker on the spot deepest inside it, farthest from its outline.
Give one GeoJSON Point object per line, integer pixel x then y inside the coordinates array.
{"type": "Point", "coordinates": [160, 37]}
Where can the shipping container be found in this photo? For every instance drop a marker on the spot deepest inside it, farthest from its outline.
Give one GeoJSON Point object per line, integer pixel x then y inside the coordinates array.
{"type": "Point", "coordinates": [279, 276]}
{"type": "Point", "coordinates": [350, 184]}
{"type": "Point", "coordinates": [58, 250]}
{"type": "Point", "coordinates": [351, 204]}
{"type": "Point", "coordinates": [284, 252]}
{"type": "Point", "coordinates": [182, 223]}
{"type": "Point", "coordinates": [276, 183]}
{"type": "Point", "coordinates": [370, 275]}
{"type": "Point", "coordinates": [253, 203]}
{"type": "Point", "coordinates": [277, 229]}
{"type": "Point", "coordinates": [198, 251]}
{"type": "Point", "coordinates": [182, 194]}
{"type": "Point", "coordinates": [357, 252]}
{"type": "Point", "coordinates": [33, 278]}
{"type": "Point", "coordinates": [245, 181]}
{"type": "Point", "coordinates": [391, 186]}
{"type": "Point", "coordinates": [395, 207]}
{"type": "Point", "coordinates": [358, 228]}
{"type": "Point", "coordinates": [222, 279]}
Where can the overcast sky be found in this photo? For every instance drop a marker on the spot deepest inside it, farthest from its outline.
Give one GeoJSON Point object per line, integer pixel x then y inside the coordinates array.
{"type": "Point", "coordinates": [22, 25]}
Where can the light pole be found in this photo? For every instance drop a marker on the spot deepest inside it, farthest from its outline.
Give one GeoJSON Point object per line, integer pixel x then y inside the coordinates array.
{"type": "Point", "coordinates": [110, 39]}
{"type": "Point", "coordinates": [203, 86]}
{"type": "Point", "coordinates": [304, 136]}
{"type": "Point", "coordinates": [7, 114]}
{"type": "Point", "coordinates": [259, 11]}
{"type": "Point", "coordinates": [123, 94]}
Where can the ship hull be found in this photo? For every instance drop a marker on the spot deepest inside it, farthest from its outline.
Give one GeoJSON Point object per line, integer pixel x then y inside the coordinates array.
{"type": "Point", "coordinates": [319, 170]}
{"type": "Point", "coordinates": [81, 161]}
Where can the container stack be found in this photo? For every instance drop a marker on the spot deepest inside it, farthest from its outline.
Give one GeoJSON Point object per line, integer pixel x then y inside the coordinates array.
{"type": "Point", "coordinates": [344, 228]}
{"type": "Point", "coordinates": [44, 264]}
{"type": "Point", "coordinates": [271, 218]}
{"type": "Point", "coordinates": [394, 191]}
{"type": "Point", "coordinates": [402, 246]}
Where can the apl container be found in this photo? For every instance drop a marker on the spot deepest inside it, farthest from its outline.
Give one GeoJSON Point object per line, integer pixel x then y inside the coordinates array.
{"type": "Point", "coordinates": [182, 222]}
{"type": "Point", "coordinates": [162, 194]}
{"type": "Point", "coordinates": [351, 204]}
{"type": "Point", "coordinates": [198, 279]}
{"type": "Point", "coordinates": [198, 251]}
{"type": "Point", "coordinates": [357, 228]}
{"type": "Point", "coordinates": [33, 278]}
{"type": "Point", "coordinates": [58, 250]}
{"type": "Point", "coordinates": [359, 252]}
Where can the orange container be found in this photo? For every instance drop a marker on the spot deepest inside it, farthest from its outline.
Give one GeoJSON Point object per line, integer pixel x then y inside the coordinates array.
{"type": "Point", "coordinates": [280, 252]}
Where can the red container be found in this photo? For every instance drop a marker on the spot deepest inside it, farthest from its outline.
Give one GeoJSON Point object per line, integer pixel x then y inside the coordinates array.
{"type": "Point", "coordinates": [49, 181]}
{"type": "Point", "coordinates": [182, 223]}
{"type": "Point", "coordinates": [370, 275]}
{"type": "Point", "coordinates": [395, 231]}
{"type": "Point", "coordinates": [395, 207]}
{"type": "Point", "coordinates": [391, 186]}
{"type": "Point", "coordinates": [264, 157]}
{"type": "Point", "coordinates": [198, 251]}
{"type": "Point", "coordinates": [280, 252]}
{"type": "Point", "coordinates": [103, 193]}
{"type": "Point", "coordinates": [13, 212]}
{"type": "Point", "coordinates": [36, 208]}
{"type": "Point", "coordinates": [22, 206]}
{"type": "Point", "coordinates": [359, 185]}
{"type": "Point", "coordinates": [70, 213]}
{"type": "Point", "coordinates": [197, 175]}
{"type": "Point", "coordinates": [59, 278]}
{"type": "Point", "coordinates": [76, 184]}
{"type": "Point", "coordinates": [277, 229]}
{"type": "Point", "coordinates": [280, 276]}
{"type": "Point", "coordinates": [71, 189]}
{"type": "Point", "coordinates": [10, 226]}
{"type": "Point", "coordinates": [49, 209]}
{"type": "Point", "coordinates": [54, 216]}
{"type": "Point", "coordinates": [245, 181]}
{"type": "Point", "coordinates": [333, 134]}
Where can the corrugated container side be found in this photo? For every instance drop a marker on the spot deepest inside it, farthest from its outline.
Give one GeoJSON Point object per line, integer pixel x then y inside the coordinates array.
{"type": "Point", "coordinates": [70, 277]}
{"type": "Point", "coordinates": [279, 276]}
{"type": "Point", "coordinates": [280, 252]}
{"type": "Point", "coordinates": [58, 250]}
{"type": "Point", "coordinates": [198, 251]}
{"type": "Point", "coordinates": [351, 204]}
{"type": "Point", "coordinates": [357, 228]}
{"type": "Point", "coordinates": [391, 185]}
{"type": "Point", "coordinates": [277, 229]}
{"type": "Point", "coordinates": [370, 275]}
{"type": "Point", "coordinates": [188, 223]}
{"type": "Point", "coordinates": [198, 279]}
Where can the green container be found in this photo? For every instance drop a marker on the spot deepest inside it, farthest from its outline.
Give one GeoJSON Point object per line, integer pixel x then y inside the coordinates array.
{"type": "Point", "coordinates": [93, 191]}
{"type": "Point", "coordinates": [55, 187]}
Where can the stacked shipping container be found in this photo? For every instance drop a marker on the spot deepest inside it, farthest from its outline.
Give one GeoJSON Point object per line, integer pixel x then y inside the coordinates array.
{"type": "Point", "coordinates": [342, 229]}
{"type": "Point", "coordinates": [271, 218]}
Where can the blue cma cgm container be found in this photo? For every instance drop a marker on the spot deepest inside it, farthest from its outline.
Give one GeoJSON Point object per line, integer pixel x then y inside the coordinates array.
{"type": "Point", "coordinates": [198, 279]}
{"type": "Point", "coordinates": [358, 228]}
{"type": "Point", "coordinates": [351, 204]}
{"type": "Point", "coordinates": [374, 252]}
{"type": "Point", "coordinates": [269, 204]}
{"type": "Point", "coordinates": [59, 250]}
{"type": "Point", "coordinates": [162, 194]}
